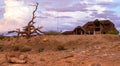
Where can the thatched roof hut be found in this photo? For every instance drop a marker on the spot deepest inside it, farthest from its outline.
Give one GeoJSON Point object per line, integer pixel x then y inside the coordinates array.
{"type": "Point", "coordinates": [99, 26]}
{"type": "Point", "coordinates": [94, 27]}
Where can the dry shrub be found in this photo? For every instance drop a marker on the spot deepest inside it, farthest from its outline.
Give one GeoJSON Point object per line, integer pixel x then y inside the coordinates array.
{"type": "Point", "coordinates": [25, 48]}
{"type": "Point", "coordinates": [42, 59]}
{"type": "Point", "coordinates": [1, 47]}
{"type": "Point", "coordinates": [22, 48]}
{"type": "Point", "coordinates": [61, 47]}
{"type": "Point", "coordinates": [41, 49]}
{"type": "Point", "coordinates": [15, 47]}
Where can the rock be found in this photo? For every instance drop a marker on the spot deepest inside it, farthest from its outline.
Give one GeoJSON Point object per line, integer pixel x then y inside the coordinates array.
{"type": "Point", "coordinates": [96, 65]}
{"type": "Point", "coordinates": [22, 57]}
{"type": "Point", "coordinates": [16, 58]}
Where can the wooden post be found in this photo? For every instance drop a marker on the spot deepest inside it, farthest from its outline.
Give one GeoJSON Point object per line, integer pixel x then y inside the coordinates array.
{"type": "Point", "coordinates": [100, 28]}
{"type": "Point", "coordinates": [81, 33]}
{"type": "Point", "coordinates": [76, 32]}
{"type": "Point", "coordinates": [94, 32]}
{"type": "Point", "coordinates": [89, 32]}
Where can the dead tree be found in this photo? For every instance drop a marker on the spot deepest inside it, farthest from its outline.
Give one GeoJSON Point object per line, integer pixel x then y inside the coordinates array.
{"type": "Point", "coordinates": [30, 28]}
{"type": "Point", "coordinates": [19, 33]}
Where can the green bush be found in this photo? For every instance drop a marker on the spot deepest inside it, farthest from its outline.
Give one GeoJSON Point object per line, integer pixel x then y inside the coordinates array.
{"type": "Point", "coordinates": [52, 33]}
{"type": "Point", "coordinates": [2, 37]}
{"type": "Point", "coordinates": [113, 32]}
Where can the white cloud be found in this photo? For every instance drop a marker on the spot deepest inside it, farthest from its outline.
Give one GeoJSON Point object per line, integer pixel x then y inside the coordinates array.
{"type": "Point", "coordinates": [98, 1]}
{"type": "Point", "coordinates": [98, 8]}
{"type": "Point", "coordinates": [16, 15]}
{"type": "Point", "coordinates": [74, 15]}
{"type": "Point", "coordinates": [104, 0]}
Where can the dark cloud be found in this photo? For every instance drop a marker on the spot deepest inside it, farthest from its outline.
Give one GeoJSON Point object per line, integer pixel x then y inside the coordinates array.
{"type": "Point", "coordinates": [81, 22]}
{"type": "Point", "coordinates": [63, 17]}
{"type": "Point", "coordinates": [82, 7]}
{"type": "Point", "coordinates": [73, 8]}
{"type": "Point", "coordinates": [106, 14]}
{"type": "Point", "coordinates": [44, 15]}
{"type": "Point", "coordinates": [109, 5]}
{"type": "Point", "coordinates": [47, 14]}
{"type": "Point", "coordinates": [66, 27]}
{"type": "Point", "coordinates": [54, 3]}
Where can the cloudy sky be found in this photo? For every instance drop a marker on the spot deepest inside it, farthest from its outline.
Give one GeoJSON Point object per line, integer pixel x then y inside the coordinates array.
{"type": "Point", "coordinates": [58, 15]}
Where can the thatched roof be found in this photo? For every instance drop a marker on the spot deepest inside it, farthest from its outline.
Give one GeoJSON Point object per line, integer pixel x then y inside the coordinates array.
{"type": "Point", "coordinates": [79, 28]}
{"type": "Point", "coordinates": [106, 25]}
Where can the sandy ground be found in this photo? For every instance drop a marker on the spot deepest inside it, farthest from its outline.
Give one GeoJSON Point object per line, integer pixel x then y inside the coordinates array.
{"type": "Point", "coordinates": [77, 50]}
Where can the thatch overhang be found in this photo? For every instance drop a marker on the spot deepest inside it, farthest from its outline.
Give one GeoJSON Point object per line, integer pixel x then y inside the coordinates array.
{"type": "Point", "coordinates": [79, 30]}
